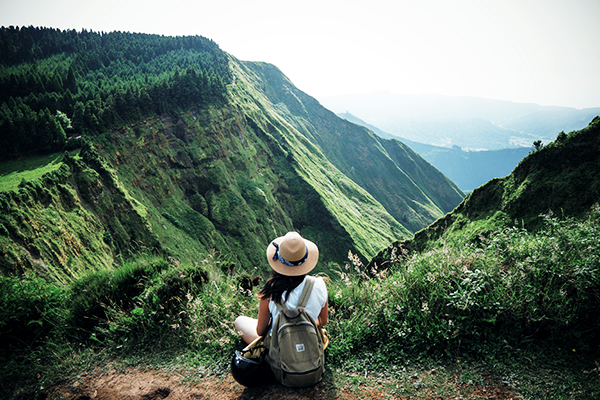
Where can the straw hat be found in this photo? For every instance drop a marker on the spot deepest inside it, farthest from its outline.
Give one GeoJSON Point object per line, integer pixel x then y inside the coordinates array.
{"type": "Point", "coordinates": [292, 255]}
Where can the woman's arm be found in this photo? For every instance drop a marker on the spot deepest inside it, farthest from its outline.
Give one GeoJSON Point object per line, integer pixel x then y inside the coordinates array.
{"type": "Point", "coordinates": [322, 319]}
{"type": "Point", "coordinates": [264, 318]}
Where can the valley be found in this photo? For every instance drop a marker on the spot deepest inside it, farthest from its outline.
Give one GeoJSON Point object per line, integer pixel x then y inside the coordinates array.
{"type": "Point", "coordinates": [142, 177]}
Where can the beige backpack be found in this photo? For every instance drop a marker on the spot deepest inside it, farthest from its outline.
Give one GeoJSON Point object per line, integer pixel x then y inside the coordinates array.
{"type": "Point", "coordinates": [296, 350]}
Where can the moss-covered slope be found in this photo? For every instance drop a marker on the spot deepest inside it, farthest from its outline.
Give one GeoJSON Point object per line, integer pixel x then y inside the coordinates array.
{"type": "Point", "coordinates": [358, 211]}
{"type": "Point", "coordinates": [74, 220]}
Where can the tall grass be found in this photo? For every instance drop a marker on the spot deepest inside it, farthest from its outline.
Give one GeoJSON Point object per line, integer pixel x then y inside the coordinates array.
{"type": "Point", "coordinates": [159, 303]}
{"type": "Point", "coordinates": [513, 290]}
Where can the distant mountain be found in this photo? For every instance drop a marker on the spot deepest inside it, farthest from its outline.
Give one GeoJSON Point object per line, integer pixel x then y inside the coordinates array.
{"type": "Point", "coordinates": [561, 177]}
{"type": "Point", "coordinates": [468, 122]}
{"type": "Point", "coordinates": [547, 122]}
{"type": "Point", "coordinates": [468, 169]}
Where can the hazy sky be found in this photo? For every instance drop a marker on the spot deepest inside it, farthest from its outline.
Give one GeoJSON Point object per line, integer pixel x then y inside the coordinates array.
{"type": "Point", "coordinates": [540, 51]}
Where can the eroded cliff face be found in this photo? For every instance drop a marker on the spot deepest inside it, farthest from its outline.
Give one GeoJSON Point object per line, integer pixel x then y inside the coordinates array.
{"type": "Point", "coordinates": [74, 220]}
{"type": "Point", "coordinates": [211, 180]}
{"type": "Point", "coordinates": [233, 176]}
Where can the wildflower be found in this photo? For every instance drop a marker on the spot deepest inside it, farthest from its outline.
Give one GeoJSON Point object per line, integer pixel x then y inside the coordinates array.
{"type": "Point", "coordinates": [393, 257]}
{"type": "Point", "coordinates": [355, 261]}
{"type": "Point", "coordinates": [346, 279]}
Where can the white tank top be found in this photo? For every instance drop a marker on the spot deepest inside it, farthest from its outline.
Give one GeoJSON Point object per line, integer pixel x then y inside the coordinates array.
{"type": "Point", "coordinates": [316, 301]}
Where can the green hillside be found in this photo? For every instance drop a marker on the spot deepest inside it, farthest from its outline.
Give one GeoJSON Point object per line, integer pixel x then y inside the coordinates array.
{"type": "Point", "coordinates": [181, 149]}
{"type": "Point", "coordinates": [560, 178]}
{"type": "Point", "coordinates": [410, 189]}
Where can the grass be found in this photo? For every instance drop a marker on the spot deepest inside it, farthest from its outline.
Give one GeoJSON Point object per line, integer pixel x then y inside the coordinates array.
{"type": "Point", "coordinates": [13, 172]}
{"type": "Point", "coordinates": [518, 311]}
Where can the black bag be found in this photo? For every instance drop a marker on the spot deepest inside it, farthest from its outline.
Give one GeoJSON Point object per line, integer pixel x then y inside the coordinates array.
{"type": "Point", "coordinates": [249, 366]}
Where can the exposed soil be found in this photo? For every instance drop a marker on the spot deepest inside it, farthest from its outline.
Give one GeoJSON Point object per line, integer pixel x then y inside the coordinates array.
{"type": "Point", "coordinates": [154, 385]}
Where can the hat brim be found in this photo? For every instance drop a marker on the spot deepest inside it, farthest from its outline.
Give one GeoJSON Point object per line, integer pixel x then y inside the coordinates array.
{"type": "Point", "coordinates": [302, 269]}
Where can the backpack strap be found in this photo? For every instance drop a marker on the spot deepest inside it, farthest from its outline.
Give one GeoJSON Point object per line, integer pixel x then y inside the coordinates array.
{"type": "Point", "coordinates": [304, 296]}
{"type": "Point", "coordinates": [308, 286]}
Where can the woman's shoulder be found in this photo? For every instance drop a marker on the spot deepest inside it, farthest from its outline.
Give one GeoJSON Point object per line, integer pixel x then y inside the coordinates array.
{"type": "Point", "coordinates": [318, 279]}
{"type": "Point", "coordinates": [319, 282]}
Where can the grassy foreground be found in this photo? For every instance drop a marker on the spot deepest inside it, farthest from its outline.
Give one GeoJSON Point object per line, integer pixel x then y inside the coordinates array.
{"type": "Point", "coordinates": [519, 306]}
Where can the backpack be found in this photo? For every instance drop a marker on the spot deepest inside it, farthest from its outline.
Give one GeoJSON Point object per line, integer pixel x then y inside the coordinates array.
{"type": "Point", "coordinates": [296, 351]}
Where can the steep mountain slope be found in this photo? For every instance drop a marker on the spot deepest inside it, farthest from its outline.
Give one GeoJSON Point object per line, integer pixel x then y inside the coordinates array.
{"type": "Point", "coordinates": [409, 188]}
{"type": "Point", "coordinates": [561, 178]}
{"type": "Point", "coordinates": [468, 169]}
{"type": "Point", "coordinates": [210, 179]}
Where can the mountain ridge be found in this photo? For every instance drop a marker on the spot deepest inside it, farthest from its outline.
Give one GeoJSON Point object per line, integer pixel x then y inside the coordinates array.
{"type": "Point", "coordinates": [319, 122]}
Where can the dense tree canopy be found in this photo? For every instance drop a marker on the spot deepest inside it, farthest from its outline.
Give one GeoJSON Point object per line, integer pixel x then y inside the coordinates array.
{"type": "Point", "coordinates": [57, 83]}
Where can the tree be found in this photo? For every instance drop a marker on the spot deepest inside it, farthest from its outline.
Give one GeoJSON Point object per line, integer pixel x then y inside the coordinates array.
{"type": "Point", "coordinates": [71, 83]}
{"type": "Point", "coordinates": [79, 117]}
{"type": "Point", "coordinates": [99, 80]}
{"type": "Point", "coordinates": [64, 121]}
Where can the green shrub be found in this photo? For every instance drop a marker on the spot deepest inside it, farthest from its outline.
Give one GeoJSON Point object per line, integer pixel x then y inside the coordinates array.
{"type": "Point", "coordinates": [94, 293]}
{"type": "Point", "coordinates": [30, 308]}
{"type": "Point", "coordinates": [174, 286]}
{"type": "Point", "coordinates": [144, 301]}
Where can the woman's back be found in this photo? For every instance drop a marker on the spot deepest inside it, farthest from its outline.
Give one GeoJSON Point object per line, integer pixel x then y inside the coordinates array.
{"type": "Point", "coordinates": [316, 301]}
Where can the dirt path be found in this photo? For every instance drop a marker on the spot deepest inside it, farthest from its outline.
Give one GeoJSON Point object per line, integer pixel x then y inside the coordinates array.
{"type": "Point", "coordinates": [154, 385]}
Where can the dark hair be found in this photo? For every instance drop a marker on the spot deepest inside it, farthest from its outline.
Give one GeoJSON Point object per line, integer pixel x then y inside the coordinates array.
{"type": "Point", "coordinates": [278, 284]}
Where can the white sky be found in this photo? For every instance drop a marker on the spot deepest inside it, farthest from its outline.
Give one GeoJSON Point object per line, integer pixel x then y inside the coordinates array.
{"type": "Point", "coordinates": [539, 51]}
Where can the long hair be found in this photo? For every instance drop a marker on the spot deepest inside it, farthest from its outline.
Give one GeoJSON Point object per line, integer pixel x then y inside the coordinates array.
{"type": "Point", "coordinates": [279, 284]}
